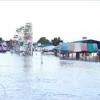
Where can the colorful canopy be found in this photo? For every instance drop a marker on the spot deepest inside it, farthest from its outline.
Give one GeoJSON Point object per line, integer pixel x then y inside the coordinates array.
{"type": "Point", "coordinates": [63, 46]}
{"type": "Point", "coordinates": [90, 47]}
{"type": "Point", "coordinates": [79, 47]}
{"type": "Point", "coordinates": [95, 47]}
{"type": "Point", "coordinates": [83, 47]}
{"type": "Point", "coordinates": [70, 47]}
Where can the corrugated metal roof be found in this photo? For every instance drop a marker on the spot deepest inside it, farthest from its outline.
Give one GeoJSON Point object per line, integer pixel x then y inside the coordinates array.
{"type": "Point", "coordinates": [86, 41]}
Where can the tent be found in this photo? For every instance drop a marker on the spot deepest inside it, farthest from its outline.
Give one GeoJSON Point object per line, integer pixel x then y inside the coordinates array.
{"type": "Point", "coordinates": [49, 48]}
{"type": "Point", "coordinates": [78, 47]}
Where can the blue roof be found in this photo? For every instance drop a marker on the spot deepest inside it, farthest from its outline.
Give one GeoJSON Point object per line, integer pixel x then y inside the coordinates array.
{"type": "Point", "coordinates": [44, 45]}
{"type": "Point", "coordinates": [84, 40]}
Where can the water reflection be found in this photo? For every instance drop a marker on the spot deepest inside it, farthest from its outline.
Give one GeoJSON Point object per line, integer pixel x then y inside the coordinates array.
{"type": "Point", "coordinates": [27, 64]}
{"type": "Point", "coordinates": [64, 63]}
{"type": "Point", "coordinates": [25, 78]}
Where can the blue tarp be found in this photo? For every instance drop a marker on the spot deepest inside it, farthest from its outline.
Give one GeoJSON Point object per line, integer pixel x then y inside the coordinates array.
{"type": "Point", "coordinates": [95, 47]}
{"type": "Point", "coordinates": [44, 45]}
{"type": "Point", "coordinates": [63, 46]}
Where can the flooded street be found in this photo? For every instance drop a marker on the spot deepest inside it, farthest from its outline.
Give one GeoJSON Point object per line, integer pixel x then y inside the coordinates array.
{"type": "Point", "coordinates": [25, 78]}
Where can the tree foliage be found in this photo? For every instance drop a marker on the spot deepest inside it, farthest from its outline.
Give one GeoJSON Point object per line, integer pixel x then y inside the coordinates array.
{"type": "Point", "coordinates": [34, 43]}
{"type": "Point", "coordinates": [56, 41]}
{"type": "Point", "coordinates": [0, 39]}
{"type": "Point", "coordinates": [43, 40]}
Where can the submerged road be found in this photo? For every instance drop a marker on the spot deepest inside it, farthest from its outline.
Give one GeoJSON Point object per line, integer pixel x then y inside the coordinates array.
{"type": "Point", "coordinates": [25, 78]}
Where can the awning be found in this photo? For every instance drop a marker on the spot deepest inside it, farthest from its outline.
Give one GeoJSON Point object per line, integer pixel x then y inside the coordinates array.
{"type": "Point", "coordinates": [77, 47]}
{"type": "Point", "coordinates": [71, 47]}
{"type": "Point", "coordinates": [90, 47]}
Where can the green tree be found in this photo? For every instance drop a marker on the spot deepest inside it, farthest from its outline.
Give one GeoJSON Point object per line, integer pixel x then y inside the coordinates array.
{"type": "Point", "coordinates": [0, 39]}
{"type": "Point", "coordinates": [43, 40]}
{"type": "Point", "coordinates": [34, 43]}
{"type": "Point", "coordinates": [21, 43]}
{"type": "Point", "coordinates": [56, 41]}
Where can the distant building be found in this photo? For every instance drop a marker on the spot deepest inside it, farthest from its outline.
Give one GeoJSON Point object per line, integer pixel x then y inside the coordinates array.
{"type": "Point", "coordinates": [88, 41]}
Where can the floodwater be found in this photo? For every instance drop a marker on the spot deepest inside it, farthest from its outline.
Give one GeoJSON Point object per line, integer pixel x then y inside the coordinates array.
{"type": "Point", "coordinates": [25, 78]}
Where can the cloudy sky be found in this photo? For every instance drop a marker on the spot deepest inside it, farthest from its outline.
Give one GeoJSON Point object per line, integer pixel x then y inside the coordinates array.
{"type": "Point", "coordinates": [70, 20]}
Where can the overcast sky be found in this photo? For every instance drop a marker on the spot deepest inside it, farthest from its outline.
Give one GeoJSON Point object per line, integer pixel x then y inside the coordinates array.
{"type": "Point", "coordinates": [70, 20]}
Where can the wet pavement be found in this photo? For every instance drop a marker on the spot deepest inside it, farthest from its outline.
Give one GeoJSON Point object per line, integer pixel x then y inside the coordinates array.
{"type": "Point", "coordinates": [25, 78]}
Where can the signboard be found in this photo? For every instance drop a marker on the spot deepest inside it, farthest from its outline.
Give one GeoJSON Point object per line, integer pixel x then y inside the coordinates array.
{"type": "Point", "coordinates": [84, 37]}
